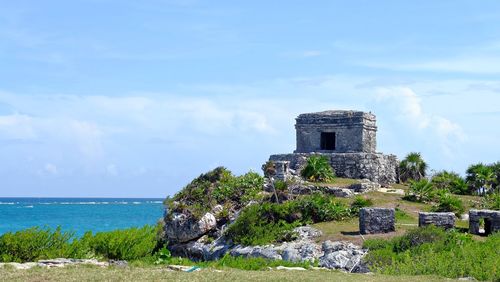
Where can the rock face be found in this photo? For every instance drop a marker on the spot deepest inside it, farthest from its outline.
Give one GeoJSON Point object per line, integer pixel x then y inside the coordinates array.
{"type": "Point", "coordinates": [439, 219]}
{"type": "Point", "coordinates": [376, 167]}
{"type": "Point", "coordinates": [182, 228]}
{"type": "Point", "coordinates": [342, 255]}
{"type": "Point", "coordinates": [307, 189]}
{"type": "Point", "coordinates": [376, 220]}
{"type": "Point", "coordinates": [334, 255]}
{"type": "Point", "coordinates": [491, 221]}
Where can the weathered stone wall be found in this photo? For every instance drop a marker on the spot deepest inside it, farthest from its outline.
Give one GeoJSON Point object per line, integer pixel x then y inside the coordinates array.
{"type": "Point", "coordinates": [376, 220]}
{"type": "Point", "coordinates": [354, 131]}
{"type": "Point", "coordinates": [377, 167]}
{"type": "Point", "coordinates": [439, 219]}
{"type": "Point", "coordinates": [491, 221]}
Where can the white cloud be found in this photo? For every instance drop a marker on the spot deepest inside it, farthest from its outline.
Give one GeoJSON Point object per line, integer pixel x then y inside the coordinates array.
{"type": "Point", "coordinates": [50, 168]}
{"type": "Point", "coordinates": [406, 103]}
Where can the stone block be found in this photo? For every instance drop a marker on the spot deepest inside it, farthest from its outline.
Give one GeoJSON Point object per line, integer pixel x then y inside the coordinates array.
{"type": "Point", "coordinates": [439, 219]}
{"type": "Point", "coordinates": [376, 220]}
{"type": "Point", "coordinates": [491, 221]}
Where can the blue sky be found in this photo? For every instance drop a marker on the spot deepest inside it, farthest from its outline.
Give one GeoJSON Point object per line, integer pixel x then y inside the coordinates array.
{"type": "Point", "coordinates": [135, 98]}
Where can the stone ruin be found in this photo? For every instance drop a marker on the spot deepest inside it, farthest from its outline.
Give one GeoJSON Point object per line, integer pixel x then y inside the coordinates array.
{"type": "Point", "coordinates": [376, 220]}
{"type": "Point", "coordinates": [439, 219]}
{"type": "Point", "coordinates": [491, 221]}
{"type": "Point", "coordinates": [347, 139]}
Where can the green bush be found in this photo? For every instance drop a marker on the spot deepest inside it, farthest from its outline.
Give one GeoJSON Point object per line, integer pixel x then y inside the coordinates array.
{"type": "Point", "coordinates": [420, 191]}
{"type": "Point", "coordinates": [450, 181]}
{"type": "Point", "coordinates": [218, 186]}
{"type": "Point", "coordinates": [449, 203]}
{"type": "Point", "coordinates": [491, 201]}
{"type": "Point", "coordinates": [271, 222]}
{"type": "Point", "coordinates": [34, 244]}
{"type": "Point", "coordinates": [432, 251]}
{"type": "Point", "coordinates": [125, 244]}
{"type": "Point", "coordinates": [262, 224]}
{"type": "Point", "coordinates": [359, 203]}
{"type": "Point", "coordinates": [318, 169]}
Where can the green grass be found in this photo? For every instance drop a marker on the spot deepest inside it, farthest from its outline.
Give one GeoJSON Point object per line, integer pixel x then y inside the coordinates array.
{"type": "Point", "coordinates": [158, 273]}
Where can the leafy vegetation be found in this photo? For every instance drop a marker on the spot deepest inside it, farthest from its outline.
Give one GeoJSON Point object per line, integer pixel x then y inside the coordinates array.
{"type": "Point", "coordinates": [318, 169]}
{"type": "Point", "coordinates": [271, 222]}
{"type": "Point", "coordinates": [451, 182]}
{"type": "Point", "coordinates": [491, 201]}
{"type": "Point", "coordinates": [35, 243]}
{"type": "Point", "coordinates": [481, 178]}
{"type": "Point", "coordinates": [360, 202]}
{"type": "Point", "coordinates": [420, 191]}
{"type": "Point", "coordinates": [413, 167]}
{"type": "Point", "coordinates": [431, 250]}
{"type": "Point", "coordinates": [218, 186]}
{"type": "Point", "coordinates": [448, 203]}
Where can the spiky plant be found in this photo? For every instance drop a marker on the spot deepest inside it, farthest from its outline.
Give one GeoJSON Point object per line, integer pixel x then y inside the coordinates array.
{"type": "Point", "coordinates": [318, 169]}
{"type": "Point", "coordinates": [413, 167]}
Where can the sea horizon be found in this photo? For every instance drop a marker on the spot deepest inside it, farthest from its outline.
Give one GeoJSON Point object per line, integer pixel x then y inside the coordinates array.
{"type": "Point", "coordinates": [78, 214]}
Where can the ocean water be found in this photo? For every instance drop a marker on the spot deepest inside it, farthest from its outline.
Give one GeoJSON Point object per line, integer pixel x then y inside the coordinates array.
{"type": "Point", "coordinates": [78, 214]}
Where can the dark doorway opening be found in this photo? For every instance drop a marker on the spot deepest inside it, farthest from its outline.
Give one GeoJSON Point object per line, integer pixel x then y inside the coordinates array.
{"type": "Point", "coordinates": [328, 141]}
{"type": "Point", "coordinates": [487, 226]}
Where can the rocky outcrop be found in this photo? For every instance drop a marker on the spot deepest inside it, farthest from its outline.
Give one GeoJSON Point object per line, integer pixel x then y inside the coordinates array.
{"type": "Point", "coordinates": [342, 255]}
{"type": "Point", "coordinates": [181, 228]}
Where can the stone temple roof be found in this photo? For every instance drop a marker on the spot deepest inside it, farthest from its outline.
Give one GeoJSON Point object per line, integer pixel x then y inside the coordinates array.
{"type": "Point", "coordinates": [336, 114]}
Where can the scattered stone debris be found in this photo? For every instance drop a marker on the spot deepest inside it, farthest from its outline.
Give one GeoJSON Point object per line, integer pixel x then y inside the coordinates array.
{"type": "Point", "coordinates": [184, 268]}
{"type": "Point", "coordinates": [289, 268]}
{"type": "Point", "coordinates": [60, 262]}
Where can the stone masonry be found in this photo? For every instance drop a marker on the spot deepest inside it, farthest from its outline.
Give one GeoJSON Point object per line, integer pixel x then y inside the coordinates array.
{"type": "Point", "coordinates": [376, 220]}
{"type": "Point", "coordinates": [491, 221]}
{"type": "Point", "coordinates": [351, 131]}
{"type": "Point", "coordinates": [439, 219]}
{"type": "Point", "coordinates": [348, 140]}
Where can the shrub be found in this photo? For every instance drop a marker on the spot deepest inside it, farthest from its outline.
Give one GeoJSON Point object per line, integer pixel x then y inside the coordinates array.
{"type": "Point", "coordinates": [431, 251]}
{"type": "Point", "coordinates": [449, 203]}
{"type": "Point", "coordinates": [125, 244]}
{"type": "Point", "coordinates": [34, 244]}
{"type": "Point", "coordinates": [420, 191]}
{"type": "Point", "coordinates": [261, 224]}
{"type": "Point", "coordinates": [360, 202]}
{"type": "Point", "coordinates": [492, 201]}
{"type": "Point", "coordinates": [318, 169]}
{"type": "Point", "coordinates": [450, 181]}
{"type": "Point", "coordinates": [270, 222]}
{"type": "Point", "coordinates": [218, 186]}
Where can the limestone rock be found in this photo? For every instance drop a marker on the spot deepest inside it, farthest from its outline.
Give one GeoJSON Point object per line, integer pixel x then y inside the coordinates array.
{"type": "Point", "coordinates": [183, 228]}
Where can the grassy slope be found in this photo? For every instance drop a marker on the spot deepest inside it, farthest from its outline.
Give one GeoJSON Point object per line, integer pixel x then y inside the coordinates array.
{"type": "Point", "coordinates": [162, 274]}
{"type": "Point", "coordinates": [349, 230]}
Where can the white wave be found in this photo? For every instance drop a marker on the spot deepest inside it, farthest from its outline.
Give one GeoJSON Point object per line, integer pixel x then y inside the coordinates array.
{"type": "Point", "coordinates": [7, 203]}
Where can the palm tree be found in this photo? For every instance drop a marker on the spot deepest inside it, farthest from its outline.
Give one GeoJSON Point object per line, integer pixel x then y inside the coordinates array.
{"type": "Point", "coordinates": [412, 167]}
{"type": "Point", "coordinates": [480, 177]}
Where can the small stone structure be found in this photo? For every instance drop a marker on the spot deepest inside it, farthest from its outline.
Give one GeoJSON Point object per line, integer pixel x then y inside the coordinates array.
{"type": "Point", "coordinates": [376, 220]}
{"type": "Point", "coordinates": [281, 170]}
{"type": "Point", "coordinates": [439, 219]}
{"type": "Point", "coordinates": [491, 221]}
{"type": "Point", "coordinates": [347, 139]}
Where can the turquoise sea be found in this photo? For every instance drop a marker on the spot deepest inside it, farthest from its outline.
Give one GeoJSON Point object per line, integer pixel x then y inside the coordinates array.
{"type": "Point", "coordinates": [78, 214]}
